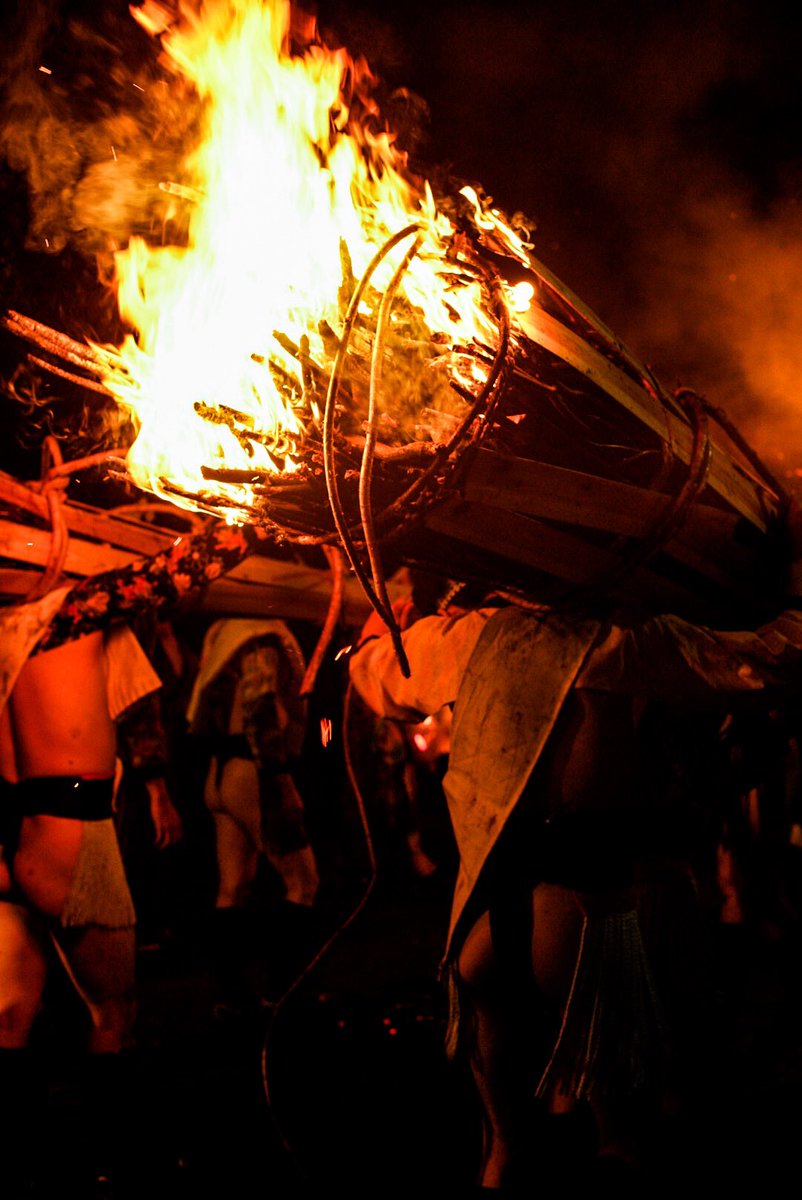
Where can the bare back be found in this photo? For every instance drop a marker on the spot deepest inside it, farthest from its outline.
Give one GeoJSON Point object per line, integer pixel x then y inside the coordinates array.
{"type": "Point", "coordinates": [59, 712]}
{"type": "Point", "coordinates": [588, 766]}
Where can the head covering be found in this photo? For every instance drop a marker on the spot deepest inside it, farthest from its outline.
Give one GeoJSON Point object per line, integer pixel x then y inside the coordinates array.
{"type": "Point", "coordinates": [129, 672]}
{"type": "Point", "coordinates": [225, 638]}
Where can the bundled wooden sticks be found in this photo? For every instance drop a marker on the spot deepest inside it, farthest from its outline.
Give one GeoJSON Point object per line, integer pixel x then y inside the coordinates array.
{"type": "Point", "coordinates": [569, 470]}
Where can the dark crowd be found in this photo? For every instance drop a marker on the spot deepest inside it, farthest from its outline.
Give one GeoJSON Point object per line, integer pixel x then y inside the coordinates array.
{"type": "Point", "coordinates": [523, 921]}
{"type": "Point", "coordinates": [226, 955]}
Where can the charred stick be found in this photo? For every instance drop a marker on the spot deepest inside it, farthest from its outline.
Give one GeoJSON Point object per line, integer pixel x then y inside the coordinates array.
{"type": "Point", "coordinates": [229, 418]}
{"type": "Point", "coordinates": [232, 475]}
{"type": "Point", "coordinates": [80, 380]}
{"type": "Point", "coordinates": [301, 353]}
{"type": "Point", "coordinates": [413, 452]}
{"type": "Point", "coordinates": [286, 382]}
{"type": "Point", "coordinates": [196, 499]}
{"type": "Point", "coordinates": [307, 374]}
{"type": "Point", "coordinates": [306, 534]}
{"type": "Point", "coordinates": [348, 284]}
{"type": "Point", "coordinates": [274, 446]}
{"type": "Point", "coordinates": [484, 401]}
{"type": "Point", "coordinates": [59, 344]}
{"type": "Point", "coordinates": [330, 339]}
{"type": "Point", "coordinates": [279, 491]}
{"type": "Point", "coordinates": [222, 414]}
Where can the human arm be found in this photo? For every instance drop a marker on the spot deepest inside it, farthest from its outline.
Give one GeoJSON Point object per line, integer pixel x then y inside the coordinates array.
{"type": "Point", "coordinates": [670, 659]}
{"type": "Point", "coordinates": [162, 581]}
{"type": "Point", "coordinates": [144, 749]}
{"type": "Point", "coordinates": [167, 826]}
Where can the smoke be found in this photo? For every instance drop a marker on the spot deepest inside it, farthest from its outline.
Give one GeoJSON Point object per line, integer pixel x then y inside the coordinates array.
{"type": "Point", "coordinates": [95, 125]}
{"type": "Point", "coordinates": [648, 143]}
{"type": "Point", "coordinates": [89, 128]}
{"type": "Point", "coordinates": [727, 312]}
{"type": "Point", "coordinates": [646, 140]}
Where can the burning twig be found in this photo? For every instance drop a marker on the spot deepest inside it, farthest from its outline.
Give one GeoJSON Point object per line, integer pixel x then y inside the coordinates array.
{"type": "Point", "coordinates": [287, 383]}
{"type": "Point", "coordinates": [485, 399]}
{"type": "Point", "coordinates": [233, 475]}
{"type": "Point", "coordinates": [222, 415]}
{"type": "Point", "coordinates": [313, 378]}
{"type": "Point", "coordinates": [241, 426]}
{"type": "Point", "coordinates": [76, 353]}
{"type": "Point", "coordinates": [307, 374]}
{"type": "Point", "coordinates": [79, 380]}
{"type": "Point", "coordinates": [196, 500]}
{"type": "Point", "coordinates": [348, 284]}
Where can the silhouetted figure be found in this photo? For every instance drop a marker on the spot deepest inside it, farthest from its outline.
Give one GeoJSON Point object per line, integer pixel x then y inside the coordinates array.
{"type": "Point", "coordinates": [247, 710]}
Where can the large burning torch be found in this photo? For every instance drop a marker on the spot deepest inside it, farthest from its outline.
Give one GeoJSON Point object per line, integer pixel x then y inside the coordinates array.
{"type": "Point", "coordinates": [337, 353]}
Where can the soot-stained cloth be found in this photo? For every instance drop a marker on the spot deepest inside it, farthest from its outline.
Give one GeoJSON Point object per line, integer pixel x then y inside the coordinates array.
{"type": "Point", "coordinates": [261, 664]}
{"type": "Point", "coordinates": [508, 673]}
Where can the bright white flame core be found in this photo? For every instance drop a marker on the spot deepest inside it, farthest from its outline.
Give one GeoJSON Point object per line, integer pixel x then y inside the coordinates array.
{"type": "Point", "coordinates": [279, 184]}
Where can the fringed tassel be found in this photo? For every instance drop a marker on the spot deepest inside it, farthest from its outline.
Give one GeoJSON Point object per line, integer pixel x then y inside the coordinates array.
{"type": "Point", "coordinates": [612, 1031]}
{"type": "Point", "coordinates": [450, 979]}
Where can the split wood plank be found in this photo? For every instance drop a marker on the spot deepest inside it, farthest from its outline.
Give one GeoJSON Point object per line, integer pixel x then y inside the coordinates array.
{"type": "Point", "coordinates": [729, 478]}
{"type": "Point", "coordinates": [535, 544]}
{"type": "Point", "coordinates": [707, 542]}
{"type": "Point", "coordinates": [258, 584]}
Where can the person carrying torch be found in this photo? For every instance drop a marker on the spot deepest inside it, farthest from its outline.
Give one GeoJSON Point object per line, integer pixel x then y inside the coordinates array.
{"type": "Point", "coordinates": [67, 670]}
{"type": "Point", "coordinates": [552, 827]}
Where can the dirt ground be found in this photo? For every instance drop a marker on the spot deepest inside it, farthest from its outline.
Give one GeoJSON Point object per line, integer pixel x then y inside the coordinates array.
{"type": "Point", "coordinates": [346, 1088]}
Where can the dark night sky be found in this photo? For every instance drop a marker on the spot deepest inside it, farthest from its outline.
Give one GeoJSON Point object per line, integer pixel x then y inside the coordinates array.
{"type": "Point", "coordinates": [658, 149]}
{"type": "Point", "coordinates": [656, 146]}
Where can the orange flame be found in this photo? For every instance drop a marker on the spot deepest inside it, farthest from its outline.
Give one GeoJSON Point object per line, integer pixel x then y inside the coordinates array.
{"type": "Point", "coordinates": [292, 166]}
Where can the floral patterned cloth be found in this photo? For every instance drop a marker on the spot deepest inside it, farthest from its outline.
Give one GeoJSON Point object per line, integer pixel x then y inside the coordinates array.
{"type": "Point", "coordinates": [190, 564]}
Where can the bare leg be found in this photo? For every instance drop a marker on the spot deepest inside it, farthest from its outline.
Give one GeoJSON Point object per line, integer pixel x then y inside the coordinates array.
{"type": "Point", "coordinates": [235, 810]}
{"type": "Point", "coordinates": [556, 930]}
{"type": "Point", "coordinates": [115, 1105]}
{"type": "Point", "coordinates": [100, 963]}
{"type": "Point", "coordinates": [45, 861]}
{"type": "Point", "coordinates": [236, 861]}
{"type": "Point", "coordinates": [555, 946]}
{"type": "Point", "coordinates": [505, 1013]}
{"type": "Point", "coordinates": [297, 866]}
{"type": "Point", "coordinates": [23, 968]}
{"type": "Point", "coordinates": [502, 1069]}
{"type": "Point", "coordinates": [231, 932]}
{"type": "Point", "coordinates": [298, 869]}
